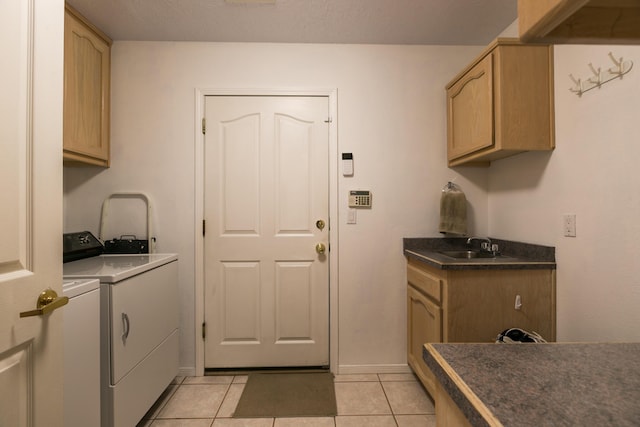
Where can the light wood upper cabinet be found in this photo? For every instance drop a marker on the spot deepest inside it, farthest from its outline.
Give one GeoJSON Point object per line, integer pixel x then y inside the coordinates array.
{"type": "Point", "coordinates": [501, 104]}
{"type": "Point", "coordinates": [580, 21]}
{"type": "Point", "coordinates": [471, 110]}
{"type": "Point", "coordinates": [87, 63]}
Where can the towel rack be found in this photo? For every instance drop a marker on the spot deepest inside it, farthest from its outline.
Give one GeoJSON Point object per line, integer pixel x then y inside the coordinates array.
{"type": "Point", "coordinates": [601, 77]}
{"type": "Point", "coordinates": [451, 186]}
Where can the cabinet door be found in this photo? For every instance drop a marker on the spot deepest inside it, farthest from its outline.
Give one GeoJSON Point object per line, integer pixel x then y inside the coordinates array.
{"type": "Point", "coordinates": [86, 94]}
{"type": "Point", "coordinates": [424, 325]}
{"type": "Point", "coordinates": [470, 111]}
{"type": "Point", "coordinates": [530, 307]}
{"type": "Point", "coordinates": [143, 314]}
{"type": "Point", "coordinates": [481, 304]}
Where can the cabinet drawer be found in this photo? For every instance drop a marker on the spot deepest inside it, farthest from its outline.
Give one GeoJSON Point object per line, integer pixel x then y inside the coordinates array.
{"type": "Point", "coordinates": [427, 283]}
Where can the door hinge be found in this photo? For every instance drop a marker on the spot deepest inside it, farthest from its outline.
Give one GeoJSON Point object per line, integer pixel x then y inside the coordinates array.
{"type": "Point", "coordinates": [204, 226]}
{"type": "Point", "coordinates": [329, 120]}
{"type": "Point", "coordinates": [204, 126]}
{"type": "Point", "coordinates": [204, 330]}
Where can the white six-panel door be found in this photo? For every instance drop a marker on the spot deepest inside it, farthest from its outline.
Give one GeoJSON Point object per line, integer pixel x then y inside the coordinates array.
{"type": "Point", "coordinates": [266, 191]}
{"type": "Point", "coordinates": [31, 42]}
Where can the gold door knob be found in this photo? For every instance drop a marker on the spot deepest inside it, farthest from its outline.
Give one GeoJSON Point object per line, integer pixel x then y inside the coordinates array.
{"type": "Point", "coordinates": [320, 248]}
{"type": "Point", "coordinates": [48, 300]}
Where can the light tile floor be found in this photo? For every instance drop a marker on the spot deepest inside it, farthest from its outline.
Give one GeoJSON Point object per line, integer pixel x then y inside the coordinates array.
{"type": "Point", "coordinates": [370, 400]}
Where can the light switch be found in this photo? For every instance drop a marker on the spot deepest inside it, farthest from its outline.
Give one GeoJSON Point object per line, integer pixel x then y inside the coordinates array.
{"type": "Point", "coordinates": [352, 216]}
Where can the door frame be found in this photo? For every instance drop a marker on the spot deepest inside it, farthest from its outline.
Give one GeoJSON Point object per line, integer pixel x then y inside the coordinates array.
{"type": "Point", "coordinates": [332, 95]}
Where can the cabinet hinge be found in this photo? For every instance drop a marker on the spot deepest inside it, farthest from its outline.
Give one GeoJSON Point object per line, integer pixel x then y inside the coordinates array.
{"type": "Point", "coordinates": [329, 120]}
{"type": "Point", "coordinates": [204, 330]}
{"type": "Point", "coordinates": [204, 226]}
{"type": "Point", "coordinates": [204, 126]}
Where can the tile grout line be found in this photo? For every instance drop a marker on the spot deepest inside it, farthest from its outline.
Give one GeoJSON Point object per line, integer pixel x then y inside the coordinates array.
{"type": "Point", "coordinates": [226, 393]}
{"type": "Point", "coordinates": [388, 401]}
{"type": "Point", "coordinates": [164, 401]}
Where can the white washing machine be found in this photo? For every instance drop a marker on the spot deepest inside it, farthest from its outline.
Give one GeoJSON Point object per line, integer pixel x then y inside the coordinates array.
{"type": "Point", "coordinates": [82, 353]}
{"type": "Point", "coordinates": [139, 320]}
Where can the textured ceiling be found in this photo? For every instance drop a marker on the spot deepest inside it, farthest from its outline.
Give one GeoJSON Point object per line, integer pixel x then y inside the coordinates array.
{"type": "Point", "coordinates": [457, 22]}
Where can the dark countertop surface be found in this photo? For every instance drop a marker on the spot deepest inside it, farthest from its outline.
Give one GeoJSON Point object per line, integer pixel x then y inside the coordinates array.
{"type": "Point", "coordinates": [515, 255]}
{"type": "Point", "coordinates": [554, 384]}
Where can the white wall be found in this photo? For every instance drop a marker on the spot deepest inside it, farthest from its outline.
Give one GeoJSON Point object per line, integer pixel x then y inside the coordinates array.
{"type": "Point", "coordinates": [594, 174]}
{"type": "Point", "coordinates": [391, 115]}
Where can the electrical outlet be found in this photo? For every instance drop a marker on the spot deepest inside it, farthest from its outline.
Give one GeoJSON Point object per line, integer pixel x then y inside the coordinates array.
{"type": "Point", "coordinates": [569, 225]}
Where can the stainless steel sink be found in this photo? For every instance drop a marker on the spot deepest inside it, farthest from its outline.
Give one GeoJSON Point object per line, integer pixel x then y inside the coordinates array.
{"type": "Point", "coordinates": [468, 254]}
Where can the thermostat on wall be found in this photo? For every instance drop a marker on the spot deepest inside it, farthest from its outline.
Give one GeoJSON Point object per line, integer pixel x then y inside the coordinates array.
{"type": "Point", "coordinates": [359, 199]}
{"type": "Point", "coordinates": [347, 164]}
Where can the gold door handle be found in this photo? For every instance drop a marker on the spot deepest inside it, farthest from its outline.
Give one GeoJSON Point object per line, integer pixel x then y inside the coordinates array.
{"type": "Point", "coordinates": [47, 302]}
{"type": "Point", "coordinates": [320, 248]}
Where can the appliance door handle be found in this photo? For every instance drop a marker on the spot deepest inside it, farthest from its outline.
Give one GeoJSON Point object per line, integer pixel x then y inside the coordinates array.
{"type": "Point", "coordinates": [126, 327]}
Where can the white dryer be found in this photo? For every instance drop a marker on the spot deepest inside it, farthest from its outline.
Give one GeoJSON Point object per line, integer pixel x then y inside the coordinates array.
{"type": "Point", "coordinates": [139, 327]}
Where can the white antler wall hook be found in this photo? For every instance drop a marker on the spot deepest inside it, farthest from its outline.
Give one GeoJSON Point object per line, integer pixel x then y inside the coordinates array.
{"type": "Point", "coordinates": [597, 76]}
{"type": "Point", "coordinates": [577, 89]}
{"type": "Point", "coordinates": [601, 77]}
{"type": "Point", "coordinates": [618, 64]}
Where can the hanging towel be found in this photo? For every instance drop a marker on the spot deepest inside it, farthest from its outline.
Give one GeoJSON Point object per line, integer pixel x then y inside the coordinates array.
{"type": "Point", "coordinates": [453, 211]}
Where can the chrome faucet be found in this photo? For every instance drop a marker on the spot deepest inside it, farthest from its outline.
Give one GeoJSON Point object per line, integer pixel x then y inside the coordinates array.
{"type": "Point", "coordinates": [486, 244]}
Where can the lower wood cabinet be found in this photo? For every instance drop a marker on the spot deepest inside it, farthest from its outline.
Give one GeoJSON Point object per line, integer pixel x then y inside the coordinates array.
{"type": "Point", "coordinates": [448, 414]}
{"type": "Point", "coordinates": [474, 306]}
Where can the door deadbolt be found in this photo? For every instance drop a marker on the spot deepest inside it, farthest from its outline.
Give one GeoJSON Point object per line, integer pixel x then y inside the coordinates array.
{"type": "Point", "coordinates": [320, 224]}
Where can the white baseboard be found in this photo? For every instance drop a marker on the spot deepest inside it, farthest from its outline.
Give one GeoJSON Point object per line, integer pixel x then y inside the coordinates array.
{"type": "Point", "coordinates": [187, 371]}
{"type": "Point", "coordinates": [374, 369]}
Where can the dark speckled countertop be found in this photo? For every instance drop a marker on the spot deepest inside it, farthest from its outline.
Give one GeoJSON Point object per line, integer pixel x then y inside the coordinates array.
{"type": "Point", "coordinates": [572, 384]}
{"type": "Point", "coordinates": [515, 255]}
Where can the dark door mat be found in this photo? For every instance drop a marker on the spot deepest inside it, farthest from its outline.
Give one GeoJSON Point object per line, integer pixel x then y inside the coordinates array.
{"type": "Point", "coordinates": [288, 395]}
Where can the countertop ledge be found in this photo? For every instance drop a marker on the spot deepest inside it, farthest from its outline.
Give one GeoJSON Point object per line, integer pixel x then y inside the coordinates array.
{"type": "Point", "coordinates": [540, 384]}
{"type": "Point", "coordinates": [516, 255]}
